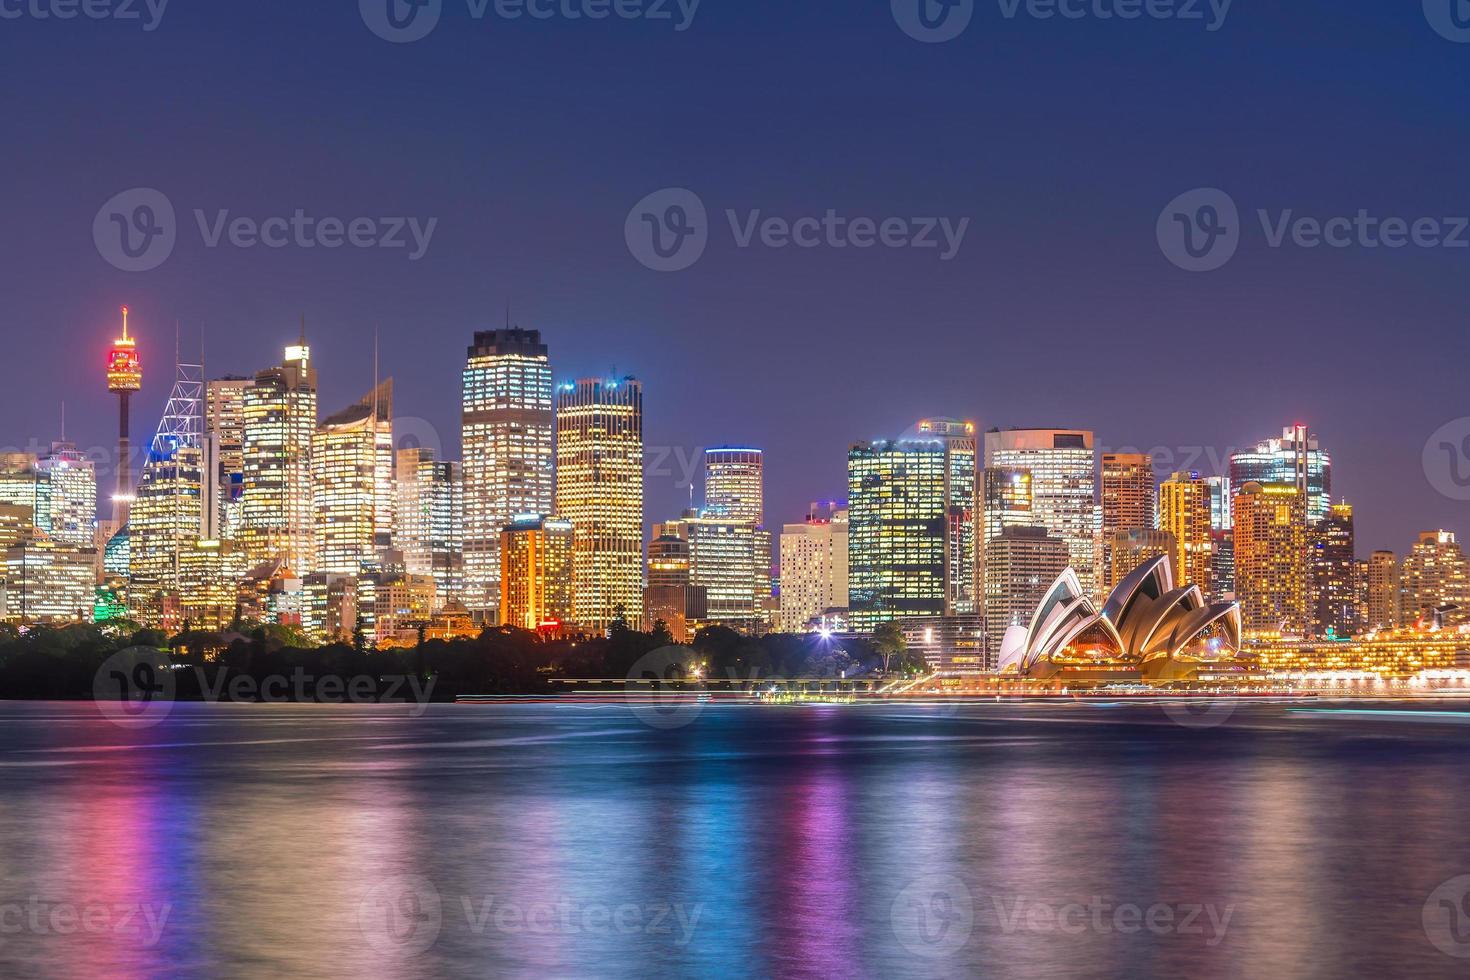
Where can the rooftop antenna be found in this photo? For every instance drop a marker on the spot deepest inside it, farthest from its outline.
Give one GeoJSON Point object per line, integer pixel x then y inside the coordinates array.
{"type": "Point", "coordinates": [303, 330]}
{"type": "Point", "coordinates": [125, 324]}
{"type": "Point", "coordinates": [63, 421]}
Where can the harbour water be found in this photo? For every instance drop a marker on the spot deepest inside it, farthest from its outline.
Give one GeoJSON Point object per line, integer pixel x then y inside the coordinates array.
{"type": "Point", "coordinates": [882, 840]}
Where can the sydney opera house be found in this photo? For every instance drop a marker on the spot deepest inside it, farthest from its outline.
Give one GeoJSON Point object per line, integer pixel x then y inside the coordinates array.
{"type": "Point", "coordinates": [1148, 630]}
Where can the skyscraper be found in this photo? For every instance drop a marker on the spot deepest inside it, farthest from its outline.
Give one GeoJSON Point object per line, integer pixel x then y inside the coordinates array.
{"type": "Point", "coordinates": [70, 514]}
{"type": "Point", "coordinates": [669, 597]}
{"type": "Point", "coordinates": [1021, 563]}
{"type": "Point", "coordinates": [1063, 471]}
{"type": "Point", "coordinates": [224, 424]}
{"type": "Point", "coordinates": [1333, 567]}
{"type": "Point", "coordinates": [1383, 591]}
{"type": "Point", "coordinates": [1130, 549]}
{"type": "Point", "coordinates": [912, 525]}
{"type": "Point", "coordinates": [599, 488]}
{"type": "Point", "coordinates": [1294, 460]}
{"type": "Point", "coordinates": [168, 512]}
{"type": "Point", "coordinates": [733, 484]}
{"type": "Point", "coordinates": [1185, 513]}
{"type": "Point", "coordinates": [1129, 503]}
{"type": "Point", "coordinates": [1271, 559]}
{"type": "Point", "coordinates": [724, 558]}
{"type": "Point", "coordinates": [507, 428]}
{"type": "Point", "coordinates": [352, 485]}
{"type": "Point", "coordinates": [813, 569]}
{"type": "Point", "coordinates": [430, 531]}
{"type": "Point", "coordinates": [277, 523]}
{"type": "Point", "coordinates": [536, 573]}
{"type": "Point", "coordinates": [1434, 574]}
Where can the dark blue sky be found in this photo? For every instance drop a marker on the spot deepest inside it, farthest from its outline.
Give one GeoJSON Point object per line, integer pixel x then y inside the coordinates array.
{"type": "Point", "coordinates": [1061, 141]}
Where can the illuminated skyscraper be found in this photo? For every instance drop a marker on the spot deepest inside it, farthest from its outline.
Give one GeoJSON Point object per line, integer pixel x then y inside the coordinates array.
{"type": "Point", "coordinates": [1271, 559]}
{"type": "Point", "coordinates": [813, 569]}
{"type": "Point", "coordinates": [1063, 469]}
{"type": "Point", "coordinates": [723, 560]}
{"type": "Point", "coordinates": [733, 484]}
{"type": "Point", "coordinates": [1383, 591]}
{"type": "Point", "coordinates": [1130, 549]}
{"type": "Point", "coordinates": [669, 597]}
{"type": "Point", "coordinates": [1021, 563]}
{"type": "Point", "coordinates": [536, 573]}
{"type": "Point", "coordinates": [912, 535]}
{"type": "Point", "coordinates": [1185, 508]}
{"type": "Point", "coordinates": [1129, 503]}
{"type": "Point", "coordinates": [46, 581]}
{"type": "Point", "coordinates": [277, 522]}
{"type": "Point", "coordinates": [71, 496]}
{"type": "Point", "coordinates": [224, 424]}
{"type": "Point", "coordinates": [1333, 567]}
{"type": "Point", "coordinates": [1294, 460]}
{"type": "Point", "coordinates": [124, 376]}
{"type": "Point", "coordinates": [507, 426]}
{"type": "Point", "coordinates": [352, 485]}
{"type": "Point", "coordinates": [430, 531]}
{"type": "Point", "coordinates": [168, 513]}
{"type": "Point", "coordinates": [1434, 574]}
{"type": "Point", "coordinates": [599, 488]}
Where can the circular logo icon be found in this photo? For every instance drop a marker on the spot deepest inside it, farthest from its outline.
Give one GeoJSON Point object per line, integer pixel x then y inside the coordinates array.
{"type": "Point", "coordinates": [1447, 459]}
{"type": "Point", "coordinates": [933, 916]}
{"type": "Point", "coordinates": [402, 915]}
{"type": "Point", "coordinates": [136, 230]}
{"type": "Point", "coordinates": [410, 432]}
{"type": "Point", "coordinates": [1201, 712]}
{"type": "Point", "coordinates": [933, 21]}
{"type": "Point", "coordinates": [1447, 917]}
{"type": "Point", "coordinates": [661, 691]}
{"type": "Point", "coordinates": [668, 230]}
{"type": "Point", "coordinates": [1450, 18]}
{"type": "Point", "coordinates": [401, 21]}
{"type": "Point", "coordinates": [134, 688]}
{"type": "Point", "coordinates": [1199, 231]}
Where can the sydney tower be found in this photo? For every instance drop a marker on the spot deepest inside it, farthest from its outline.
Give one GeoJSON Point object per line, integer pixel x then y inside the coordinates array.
{"type": "Point", "coordinates": [124, 376]}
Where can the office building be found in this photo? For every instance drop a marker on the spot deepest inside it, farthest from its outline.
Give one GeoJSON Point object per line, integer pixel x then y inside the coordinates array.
{"type": "Point", "coordinates": [1333, 566]}
{"type": "Point", "coordinates": [733, 484]}
{"type": "Point", "coordinates": [430, 531]}
{"type": "Point", "coordinates": [1020, 566]}
{"type": "Point", "coordinates": [1434, 575]}
{"type": "Point", "coordinates": [813, 569]}
{"type": "Point", "coordinates": [1063, 471]}
{"type": "Point", "coordinates": [1185, 512]}
{"type": "Point", "coordinates": [1383, 591]}
{"type": "Point", "coordinates": [1294, 460]}
{"type": "Point", "coordinates": [276, 517]}
{"type": "Point", "coordinates": [352, 486]}
{"type": "Point", "coordinates": [1271, 559]}
{"type": "Point", "coordinates": [536, 573]}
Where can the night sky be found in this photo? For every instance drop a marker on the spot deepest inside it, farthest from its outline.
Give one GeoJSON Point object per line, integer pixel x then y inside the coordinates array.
{"type": "Point", "coordinates": [530, 141]}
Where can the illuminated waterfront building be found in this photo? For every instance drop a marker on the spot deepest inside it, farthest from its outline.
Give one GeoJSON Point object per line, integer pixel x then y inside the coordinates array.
{"type": "Point", "coordinates": [277, 523]}
{"type": "Point", "coordinates": [954, 644]}
{"type": "Point", "coordinates": [1294, 460]}
{"type": "Point", "coordinates": [536, 573]}
{"type": "Point", "coordinates": [47, 581]}
{"type": "Point", "coordinates": [1130, 549]}
{"type": "Point", "coordinates": [723, 561]}
{"type": "Point", "coordinates": [70, 515]}
{"type": "Point", "coordinates": [669, 597]}
{"type": "Point", "coordinates": [168, 513]}
{"type": "Point", "coordinates": [599, 488]}
{"type": "Point", "coordinates": [733, 484]}
{"type": "Point", "coordinates": [429, 513]}
{"type": "Point", "coordinates": [813, 569]}
{"type": "Point", "coordinates": [1333, 566]}
{"type": "Point", "coordinates": [1434, 574]}
{"type": "Point", "coordinates": [1383, 591]}
{"type": "Point", "coordinates": [1271, 559]}
{"type": "Point", "coordinates": [507, 427]}
{"type": "Point", "coordinates": [1185, 512]}
{"type": "Point", "coordinates": [124, 376]}
{"type": "Point", "coordinates": [224, 425]}
{"type": "Point", "coordinates": [1390, 653]}
{"type": "Point", "coordinates": [1063, 470]}
{"type": "Point", "coordinates": [1020, 565]}
{"type": "Point", "coordinates": [352, 485]}
{"type": "Point", "coordinates": [912, 535]}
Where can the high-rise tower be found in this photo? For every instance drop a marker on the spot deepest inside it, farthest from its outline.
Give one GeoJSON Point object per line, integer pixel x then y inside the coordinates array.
{"type": "Point", "coordinates": [124, 376]}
